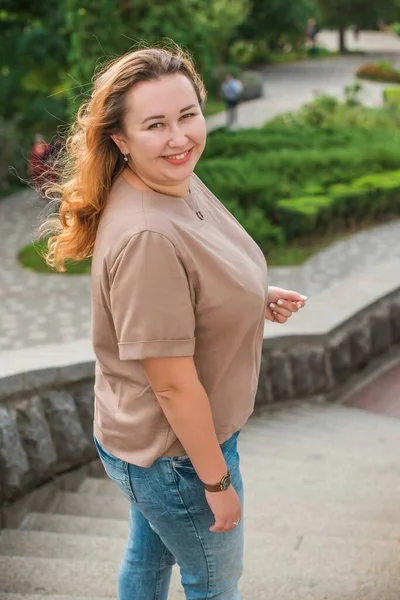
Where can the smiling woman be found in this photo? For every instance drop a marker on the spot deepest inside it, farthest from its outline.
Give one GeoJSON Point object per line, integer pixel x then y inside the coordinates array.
{"type": "Point", "coordinates": [179, 292]}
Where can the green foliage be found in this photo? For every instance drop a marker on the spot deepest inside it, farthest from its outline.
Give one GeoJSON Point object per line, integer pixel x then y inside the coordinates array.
{"type": "Point", "coordinates": [262, 230]}
{"type": "Point", "coordinates": [365, 13]}
{"type": "Point", "coordinates": [220, 18]}
{"type": "Point", "coordinates": [31, 257]}
{"type": "Point", "coordinates": [327, 112]}
{"type": "Point", "coordinates": [391, 97]}
{"type": "Point", "coordinates": [365, 199]}
{"type": "Point", "coordinates": [32, 64]}
{"type": "Point", "coordinates": [94, 27]}
{"type": "Point", "coordinates": [305, 172]}
{"type": "Point", "coordinates": [276, 23]}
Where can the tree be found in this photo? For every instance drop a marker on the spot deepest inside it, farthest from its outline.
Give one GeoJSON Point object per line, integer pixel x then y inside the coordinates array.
{"type": "Point", "coordinates": [100, 29]}
{"type": "Point", "coordinates": [33, 49]}
{"type": "Point", "coordinates": [95, 28]}
{"type": "Point", "coordinates": [221, 18]}
{"type": "Point", "coordinates": [343, 13]}
{"type": "Point", "coordinates": [272, 20]}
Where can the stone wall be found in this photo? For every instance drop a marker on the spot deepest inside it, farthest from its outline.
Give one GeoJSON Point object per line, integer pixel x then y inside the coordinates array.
{"type": "Point", "coordinates": [302, 367]}
{"type": "Point", "coordinates": [46, 415]}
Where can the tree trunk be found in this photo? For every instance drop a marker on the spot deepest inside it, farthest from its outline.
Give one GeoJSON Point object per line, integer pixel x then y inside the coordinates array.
{"type": "Point", "coordinates": [342, 43]}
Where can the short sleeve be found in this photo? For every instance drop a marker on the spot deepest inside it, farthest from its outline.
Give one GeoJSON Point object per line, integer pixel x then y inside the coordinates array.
{"type": "Point", "coordinates": [151, 303]}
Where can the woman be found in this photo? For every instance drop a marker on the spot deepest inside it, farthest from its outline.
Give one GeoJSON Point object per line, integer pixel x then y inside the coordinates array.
{"type": "Point", "coordinates": [179, 298]}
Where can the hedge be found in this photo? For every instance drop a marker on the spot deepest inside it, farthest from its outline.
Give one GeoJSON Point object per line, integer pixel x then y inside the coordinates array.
{"type": "Point", "coordinates": [259, 179]}
{"type": "Point", "coordinates": [366, 198]}
{"type": "Point", "coordinates": [276, 136]}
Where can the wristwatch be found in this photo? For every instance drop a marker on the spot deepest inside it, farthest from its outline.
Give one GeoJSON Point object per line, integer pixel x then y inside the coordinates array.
{"type": "Point", "coordinates": [222, 486]}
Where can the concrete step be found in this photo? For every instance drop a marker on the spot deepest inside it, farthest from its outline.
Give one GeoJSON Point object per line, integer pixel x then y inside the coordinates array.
{"type": "Point", "coordinates": [360, 453]}
{"type": "Point", "coordinates": [300, 579]}
{"type": "Point", "coordinates": [6, 596]}
{"type": "Point", "coordinates": [329, 415]}
{"type": "Point", "coordinates": [77, 525]}
{"type": "Point", "coordinates": [342, 553]}
{"type": "Point", "coordinates": [298, 431]}
{"type": "Point", "coordinates": [44, 544]}
{"type": "Point", "coordinates": [269, 504]}
{"type": "Point", "coordinates": [308, 524]}
{"type": "Point", "coordinates": [54, 576]}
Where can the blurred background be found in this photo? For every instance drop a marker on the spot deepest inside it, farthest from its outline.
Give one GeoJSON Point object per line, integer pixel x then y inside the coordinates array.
{"type": "Point", "coordinates": [308, 163]}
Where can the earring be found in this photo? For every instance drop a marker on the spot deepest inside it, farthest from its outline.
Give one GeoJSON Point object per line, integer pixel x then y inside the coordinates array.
{"type": "Point", "coordinates": [125, 157]}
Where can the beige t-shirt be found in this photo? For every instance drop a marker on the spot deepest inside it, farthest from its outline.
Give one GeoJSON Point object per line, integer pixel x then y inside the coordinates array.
{"type": "Point", "coordinates": [166, 283]}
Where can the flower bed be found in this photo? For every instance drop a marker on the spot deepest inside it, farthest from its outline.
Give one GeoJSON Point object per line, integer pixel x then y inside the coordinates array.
{"type": "Point", "coordinates": [380, 71]}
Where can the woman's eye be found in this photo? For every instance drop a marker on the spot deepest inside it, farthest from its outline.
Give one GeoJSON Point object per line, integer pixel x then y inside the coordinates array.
{"type": "Point", "coordinates": [155, 125]}
{"type": "Point", "coordinates": [188, 115]}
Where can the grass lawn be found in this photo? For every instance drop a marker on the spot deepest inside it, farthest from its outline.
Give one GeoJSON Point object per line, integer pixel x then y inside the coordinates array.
{"type": "Point", "coordinates": [213, 106]}
{"type": "Point", "coordinates": [31, 257]}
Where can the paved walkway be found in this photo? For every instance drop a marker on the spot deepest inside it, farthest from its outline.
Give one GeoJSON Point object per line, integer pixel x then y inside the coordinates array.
{"type": "Point", "coordinates": [288, 86]}
{"type": "Point", "coordinates": [46, 309]}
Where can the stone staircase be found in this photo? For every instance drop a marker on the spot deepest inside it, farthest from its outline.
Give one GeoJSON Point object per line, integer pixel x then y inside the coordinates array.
{"type": "Point", "coordinates": [322, 517]}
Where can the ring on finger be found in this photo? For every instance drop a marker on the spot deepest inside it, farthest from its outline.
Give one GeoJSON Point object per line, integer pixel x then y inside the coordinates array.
{"type": "Point", "coordinates": [236, 523]}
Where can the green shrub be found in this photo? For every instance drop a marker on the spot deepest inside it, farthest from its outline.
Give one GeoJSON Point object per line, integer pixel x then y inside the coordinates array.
{"type": "Point", "coordinates": [260, 178]}
{"type": "Point", "coordinates": [278, 135]}
{"type": "Point", "coordinates": [327, 112]}
{"type": "Point", "coordinates": [300, 216]}
{"type": "Point", "coordinates": [367, 198]}
{"type": "Point", "coordinates": [267, 235]}
{"type": "Point", "coordinates": [396, 28]}
{"type": "Point", "coordinates": [391, 96]}
{"type": "Point", "coordinates": [305, 173]}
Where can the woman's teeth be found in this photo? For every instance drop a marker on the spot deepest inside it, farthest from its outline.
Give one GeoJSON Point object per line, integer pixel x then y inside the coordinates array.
{"type": "Point", "coordinates": [178, 156]}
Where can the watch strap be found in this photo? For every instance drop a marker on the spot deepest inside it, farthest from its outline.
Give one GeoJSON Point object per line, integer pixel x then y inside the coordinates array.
{"type": "Point", "coordinates": [223, 485]}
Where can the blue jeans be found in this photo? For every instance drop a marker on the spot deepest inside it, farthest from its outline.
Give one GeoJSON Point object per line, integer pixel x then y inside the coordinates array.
{"type": "Point", "coordinates": [169, 522]}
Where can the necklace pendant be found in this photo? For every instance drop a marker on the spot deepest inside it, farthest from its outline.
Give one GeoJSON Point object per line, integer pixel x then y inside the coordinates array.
{"type": "Point", "coordinates": [200, 214]}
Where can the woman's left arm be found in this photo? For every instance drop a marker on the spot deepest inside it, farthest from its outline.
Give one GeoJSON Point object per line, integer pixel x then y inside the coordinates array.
{"type": "Point", "coordinates": [281, 304]}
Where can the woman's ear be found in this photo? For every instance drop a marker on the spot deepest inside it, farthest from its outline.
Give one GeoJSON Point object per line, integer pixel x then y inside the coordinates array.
{"type": "Point", "coordinates": [119, 142]}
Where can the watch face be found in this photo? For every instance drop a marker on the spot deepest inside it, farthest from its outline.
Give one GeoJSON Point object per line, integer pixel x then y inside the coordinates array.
{"type": "Point", "coordinates": [226, 482]}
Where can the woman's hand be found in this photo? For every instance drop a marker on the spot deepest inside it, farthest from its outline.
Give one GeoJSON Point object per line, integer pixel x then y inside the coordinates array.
{"type": "Point", "coordinates": [281, 304]}
{"type": "Point", "coordinates": [226, 509]}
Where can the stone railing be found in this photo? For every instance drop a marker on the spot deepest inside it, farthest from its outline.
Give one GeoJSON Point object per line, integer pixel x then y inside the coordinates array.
{"type": "Point", "coordinates": [46, 394]}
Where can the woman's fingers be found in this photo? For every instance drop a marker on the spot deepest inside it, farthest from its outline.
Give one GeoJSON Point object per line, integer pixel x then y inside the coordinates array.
{"type": "Point", "coordinates": [279, 318]}
{"type": "Point", "coordinates": [280, 310]}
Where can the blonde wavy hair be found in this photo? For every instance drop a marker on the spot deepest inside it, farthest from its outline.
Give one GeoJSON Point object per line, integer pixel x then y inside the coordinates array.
{"type": "Point", "coordinates": [91, 160]}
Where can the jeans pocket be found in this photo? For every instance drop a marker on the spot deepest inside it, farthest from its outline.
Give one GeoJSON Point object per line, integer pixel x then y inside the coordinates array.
{"type": "Point", "coordinates": [117, 470]}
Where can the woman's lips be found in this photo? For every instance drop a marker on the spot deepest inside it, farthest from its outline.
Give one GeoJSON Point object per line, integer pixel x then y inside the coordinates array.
{"type": "Point", "coordinates": [179, 159]}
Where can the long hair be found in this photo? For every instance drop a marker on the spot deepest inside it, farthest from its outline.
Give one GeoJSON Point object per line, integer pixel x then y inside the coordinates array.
{"type": "Point", "coordinates": [91, 160]}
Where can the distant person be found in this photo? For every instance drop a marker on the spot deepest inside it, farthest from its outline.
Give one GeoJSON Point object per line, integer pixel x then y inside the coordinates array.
{"type": "Point", "coordinates": [311, 35]}
{"type": "Point", "coordinates": [231, 91]}
{"type": "Point", "coordinates": [37, 163]}
{"type": "Point", "coordinates": [356, 31]}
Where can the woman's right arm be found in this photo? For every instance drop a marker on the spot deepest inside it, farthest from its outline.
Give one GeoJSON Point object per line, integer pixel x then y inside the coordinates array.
{"type": "Point", "coordinates": [186, 406]}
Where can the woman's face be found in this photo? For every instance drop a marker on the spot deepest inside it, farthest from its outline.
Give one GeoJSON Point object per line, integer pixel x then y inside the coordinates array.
{"type": "Point", "coordinates": [165, 130]}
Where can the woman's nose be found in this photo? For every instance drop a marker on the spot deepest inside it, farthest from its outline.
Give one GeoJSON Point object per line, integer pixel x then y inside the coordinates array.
{"type": "Point", "coordinates": [177, 138]}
